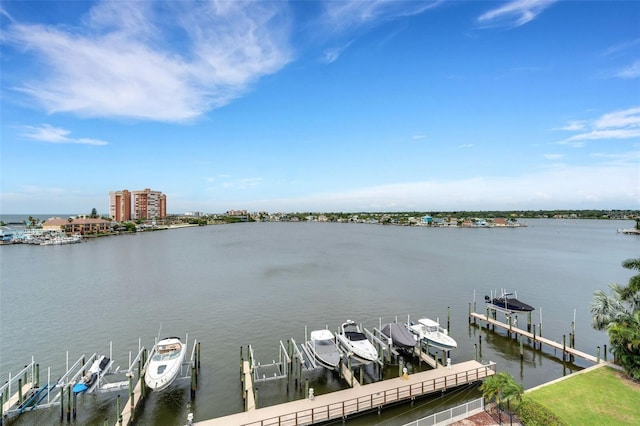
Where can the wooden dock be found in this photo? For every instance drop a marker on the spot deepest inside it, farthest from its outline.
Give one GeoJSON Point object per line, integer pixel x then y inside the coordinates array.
{"type": "Point", "coordinates": [127, 412]}
{"type": "Point", "coordinates": [535, 338]}
{"type": "Point", "coordinates": [359, 399]}
{"type": "Point", "coordinates": [13, 399]}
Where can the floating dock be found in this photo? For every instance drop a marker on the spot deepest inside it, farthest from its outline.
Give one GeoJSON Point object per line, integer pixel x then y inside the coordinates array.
{"type": "Point", "coordinates": [359, 399]}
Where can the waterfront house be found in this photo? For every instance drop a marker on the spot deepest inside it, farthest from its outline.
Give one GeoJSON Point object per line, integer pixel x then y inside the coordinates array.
{"type": "Point", "coordinates": [80, 226]}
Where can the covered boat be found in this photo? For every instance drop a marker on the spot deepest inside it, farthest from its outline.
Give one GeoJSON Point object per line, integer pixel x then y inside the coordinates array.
{"type": "Point", "coordinates": [400, 336]}
{"type": "Point", "coordinates": [354, 341]}
{"type": "Point", "coordinates": [429, 331]}
{"type": "Point", "coordinates": [165, 364]}
{"type": "Point", "coordinates": [507, 302]}
{"type": "Point", "coordinates": [324, 349]}
{"type": "Point", "coordinates": [90, 380]}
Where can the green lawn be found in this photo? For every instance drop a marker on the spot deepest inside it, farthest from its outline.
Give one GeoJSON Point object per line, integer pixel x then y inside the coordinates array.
{"type": "Point", "coordinates": [598, 397]}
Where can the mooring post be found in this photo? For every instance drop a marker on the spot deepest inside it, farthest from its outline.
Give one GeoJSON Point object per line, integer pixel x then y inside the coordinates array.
{"type": "Point", "coordinates": [495, 318]}
{"type": "Point", "coordinates": [350, 371]}
{"type": "Point", "coordinates": [475, 348]}
{"type": "Point", "coordinates": [598, 354]}
{"type": "Point", "coordinates": [564, 347]}
{"type": "Point", "coordinates": [75, 405]}
{"type": "Point", "coordinates": [118, 411]}
{"type": "Point", "coordinates": [20, 391]}
{"type": "Point", "coordinates": [37, 382]}
{"type": "Point", "coordinates": [480, 346]}
{"type": "Point", "coordinates": [62, 403]}
{"type": "Point", "coordinates": [509, 322]}
{"type": "Point", "coordinates": [529, 322]}
{"type": "Point", "coordinates": [133, 404]}
{"type": "Point", "coordinates": [605, 352]}
{"type": "Point", "coordinates": [198, 358]}
{"type": "Point", "coordinates": [193, 382]}
{"type": "Point", "coordinates": [69, 403]}
{"type": "Point", "coordinates": [469, 312]}
{"type": "Point", "coordinates": [448, 319]}
{"type": "Point", "coordinates": [306, 387]}
{"type": "Point", "coordinates": [400, 367]}
{"type": "Point", "coordinates": [534, 336]}
{"type": "Point", "coordinates": [241, 364]}
{"type": "Point", "coordinates": [521, 349]}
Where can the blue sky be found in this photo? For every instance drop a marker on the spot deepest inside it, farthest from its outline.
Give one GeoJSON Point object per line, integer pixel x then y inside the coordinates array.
{"type": "Point", "coordinates": [321, 106]}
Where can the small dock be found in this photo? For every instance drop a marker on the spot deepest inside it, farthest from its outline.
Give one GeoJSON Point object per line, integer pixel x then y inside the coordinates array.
{"type": "Point", "coordinates": [567, 350]}
{"type": "Point", "coordinates": [360, 399]}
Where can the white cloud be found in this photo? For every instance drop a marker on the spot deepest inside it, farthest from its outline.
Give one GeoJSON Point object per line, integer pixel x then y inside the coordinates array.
{"type": "Point", "coordinates": [625, 118]}
{"type": "Point", "coordinates": [50, 134]}
{"type": "Point", "coordinates": [333, 53]}
{"type": "Point", "coordinates": [466, 145]}
{"type": "Point", "coordinates": [629, 72]}
{"type": "Point", "coordinates": [514, 13]}
{"type": "Point", "coordinates": [553, 156]}
{"type": "Point", "coordinates": [119, 63]}
{"type": "Point", "coordinates": [352, 17]}
{"type": "Point", "coordinates": [624, 124]}
{"type": "Point", "coordinates": [343, 15]}
{"type": "Point", "coordinates": [559, 186]}
{"type": "Point", "coordinates": [418, 137]}
{"type": "Point", "coordinates": [573, 126]}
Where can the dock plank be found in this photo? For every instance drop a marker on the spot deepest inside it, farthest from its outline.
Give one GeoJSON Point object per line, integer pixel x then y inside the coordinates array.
{"type": "Point", "coordinates": [340, 404]}
{"type": "Point", "coordinates": [13, 400]}
{"type": "Point", "coordinates": [126, 411]}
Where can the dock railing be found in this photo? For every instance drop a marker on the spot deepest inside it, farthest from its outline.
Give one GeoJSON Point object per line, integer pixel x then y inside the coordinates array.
{"type": "Point", "coordinates": [376, 400]}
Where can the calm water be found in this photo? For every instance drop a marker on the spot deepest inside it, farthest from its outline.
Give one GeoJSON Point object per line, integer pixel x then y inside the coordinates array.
{"type": "Point", "coordinates": [258, 283]}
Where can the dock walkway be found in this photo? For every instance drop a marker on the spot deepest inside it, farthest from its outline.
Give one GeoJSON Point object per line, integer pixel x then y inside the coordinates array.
{"type": "Point", "coordinates": [540, 339]}
{"type": "Point", "coordinates": [340, 404]}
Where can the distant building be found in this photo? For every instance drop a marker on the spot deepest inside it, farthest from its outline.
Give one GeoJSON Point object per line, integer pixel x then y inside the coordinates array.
{"type": "Point", "coordinates": [120, 205]}
{"type": "Point", "coordinates": [148, 204]}
{"type": "Point", "coordinates": [77, 225]}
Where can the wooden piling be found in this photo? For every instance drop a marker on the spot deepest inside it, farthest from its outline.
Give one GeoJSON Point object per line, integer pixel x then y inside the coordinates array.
{"type": "Point", "coordinates": [20, 391]}
{"type": "Point", "coordinates": [119, 413]}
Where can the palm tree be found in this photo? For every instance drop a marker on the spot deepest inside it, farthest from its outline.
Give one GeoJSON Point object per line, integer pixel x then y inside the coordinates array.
{"type": "Point", "coordinates": [619, 315]}
{"type": "Point", "coordinates": [502, 387]}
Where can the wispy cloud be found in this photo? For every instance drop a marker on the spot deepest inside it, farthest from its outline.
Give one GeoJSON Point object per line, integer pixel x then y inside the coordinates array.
{"type": "Point", "coordinates": [573, 126]}
{"type": "Point", "coordinates": [629, 72]}
{"type": "Point", "coordinates": [418, 137]}
{"type": "Point", "coordinates": [466, 145]}
{"type": "Point", "coordinates": [331, 54]}
{"type": "Point", "coordinates": [50, 134]}
{"type": "Point", "coordinates": [553, 157]}
{"type": "Point", "coordinates": [353, 17]}
{"type": "Point", "coordinates": [350, 14]}
{"type": "Point", "coordinates": [118, 63]}
{"type": "Point", "coordinates": [622, 47]}
{"type": "Point", "coordinates": [624, 124]}
{"type": "Point", "coordinates": [514, 13]}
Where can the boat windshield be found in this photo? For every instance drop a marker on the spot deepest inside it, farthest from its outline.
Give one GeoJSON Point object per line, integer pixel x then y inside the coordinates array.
{"type": "Point", "coordinates": [355, 336]}
{"type": "Point", "coordinates": [166, 352]}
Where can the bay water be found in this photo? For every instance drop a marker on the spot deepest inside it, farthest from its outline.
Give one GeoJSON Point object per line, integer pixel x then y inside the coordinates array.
{"type": "Point", "coordinates": [229, 286]}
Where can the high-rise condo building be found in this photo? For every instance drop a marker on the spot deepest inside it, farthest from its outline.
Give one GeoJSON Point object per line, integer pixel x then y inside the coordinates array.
{"type": "Point", "coordinates": [120, 205]}
{"type": "Point", "coordinates": [148, 204]}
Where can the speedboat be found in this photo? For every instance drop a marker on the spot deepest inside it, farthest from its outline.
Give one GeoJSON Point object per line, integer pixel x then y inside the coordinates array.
{"type": "Point", "coordinates": [164, 365]}
{"type": "Point", "coordinates": [324, 349]}
{"type": "Point", "coordinates": [507, 302]}
{"type": "Point", "coordinates": [429, 331]}
{"type": "Point", "coordinates": [400, 336]}
{"type": "Point", "coordinates": [354, 341]}
{"type": "Point", "coordinates": [89, 380]}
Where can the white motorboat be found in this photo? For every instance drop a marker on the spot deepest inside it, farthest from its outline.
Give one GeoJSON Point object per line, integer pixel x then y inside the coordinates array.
{"type": "Point", "coordinates": [165, 364]}
{"type": "Point", "coordinates": [429, 331]}
{"type": "Point", "coordinates": [354, 341]}
{"type": "Point", "coordinates": [324, 349]}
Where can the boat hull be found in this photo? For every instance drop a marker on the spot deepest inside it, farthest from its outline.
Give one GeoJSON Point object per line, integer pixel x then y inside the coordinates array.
{"type": "Point", "coordinates": [165, 365]}
{"type": "Point", "coordinates": [324, 349]}
{"type": "Point", "coordinates": [354, 341]}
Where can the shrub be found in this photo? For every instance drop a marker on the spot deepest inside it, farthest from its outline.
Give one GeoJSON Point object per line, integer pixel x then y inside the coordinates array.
{"type": "Point", "coordinates": [532, 413]}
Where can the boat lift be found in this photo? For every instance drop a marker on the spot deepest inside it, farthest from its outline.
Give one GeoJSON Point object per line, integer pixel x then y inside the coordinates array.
{"type": "Point", "coordinates": [23, 391]}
